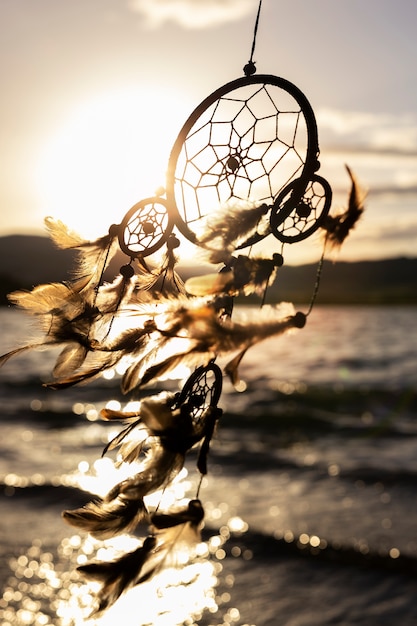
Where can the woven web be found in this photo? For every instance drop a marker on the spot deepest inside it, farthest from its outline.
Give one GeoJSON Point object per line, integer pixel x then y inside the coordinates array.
{"type": "Point", "coordinates": [201, 391]}
{"type": "Point", "coordinates": [145, 227]}
{"type": "Point", "coordinates": [307, 214]}
{"type": "Point", "coordinates": [247, 146]}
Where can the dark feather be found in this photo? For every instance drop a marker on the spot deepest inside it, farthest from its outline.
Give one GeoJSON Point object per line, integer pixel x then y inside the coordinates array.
{"type": "Point", "coordinates": [211, 417]}
{"type": "Point", "coordinates": [104, 519]}
{"type": "Point", "coordinates": [177, 530]}
{"type": "Point", "coordinates": [131, 449]}
{"type": "Point", "coordinates": [232, 367]}
{"type": "Point", "coordinates": [119, 575]}
{"type": "Point", "coordinates": [161, 369]}
{"type": "Point", "coordinates": [193, 513]}
{"type": "Point", "coordinates": [160, 467]}
{"type": "Point", "coordinates": [103, 355]}
{"type": "Point", "coordinates": [338, 227]}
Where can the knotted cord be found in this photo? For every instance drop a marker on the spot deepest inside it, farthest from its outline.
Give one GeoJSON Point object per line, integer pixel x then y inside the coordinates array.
{"type": "Point", "coordinates": [250, 68]}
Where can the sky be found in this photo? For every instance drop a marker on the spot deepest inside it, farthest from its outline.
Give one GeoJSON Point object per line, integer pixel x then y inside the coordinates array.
{"type": "Point", "coordinates": [95, 92]}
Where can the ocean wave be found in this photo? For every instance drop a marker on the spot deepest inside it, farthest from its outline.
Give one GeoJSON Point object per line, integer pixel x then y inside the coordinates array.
{"type": "Point", "coordinates": [259, 546]}
{"type": "Point", "coordinates": [42, 496]}
{"type": "Point", "coordinates": [250, 544]}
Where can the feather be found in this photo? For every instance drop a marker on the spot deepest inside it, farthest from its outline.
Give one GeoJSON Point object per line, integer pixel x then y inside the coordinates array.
{"type": "Point", "coordinates": [231, 369]}
{"type": "Point", "coordinates": [242, 274]}
{"type": "Point", "coordinates": [230, 226]}
{"type": "Point", "coordinates": [140, 362]}
{"type": "Point", "coordinates": [131, 446]}
{"type": "Point", "coordinates": [159, 468]}
{"type": "Point", "coordinates": [155, 415]}
{"type": "Point", "coordinates": [61, 235]}
{"type": "Point", "coordinates": [161, 369]}
{"type": "Point", "coordinates": [123, 506]}
{"type": "Point", "coordinates": [210, 284]}
{"type": "Point", "coordinates": [69, 360]}
{"type": "Point", "coordinates": [94, 256]}
{"type": "Point", "coordinates": [119, 575]}
{"type": "Point", "coordinates": [172, 282]}
{"type": "Point", "coordinates": [211, 417]}
{"type": "Point", "coordinates": [193, 513]}
{"type": "Point", "coordinates": [177, 533]}
{"type": "Point", "coordinates": [66, 322]}
{"type": "Point", "coordinates": [174, 533]}
{"type": "Point", "coordinates": [122, 416]}
{"type": "Point", "coordinates": [5, 357]}
{"type": "Point", "coordinates": [129, 343]}
{"type": "Point", "coordinates": [104, 519]}
{"type": "Point", "coordinates": [210, 336]}
{"type": "Point", "coordinates": [157, 412]}
{"type": "Point", "coordinates": [65, 317]}
{"type": "Point", "coordinates": [84, 376]}
{"type": "Point", "coordinates": [46, 299]}
{"type": "Point", "coordinates": [338, 227]}
{"type": "Point", "coordinates": [165, 280]}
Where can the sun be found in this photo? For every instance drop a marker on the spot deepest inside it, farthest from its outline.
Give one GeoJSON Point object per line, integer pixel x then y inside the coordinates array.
{"type": "Point", "coordinates": [110, 153]}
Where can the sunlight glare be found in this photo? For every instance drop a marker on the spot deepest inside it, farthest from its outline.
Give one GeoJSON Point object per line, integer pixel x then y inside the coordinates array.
{"type": "Point", "coordinates": [110, 153]}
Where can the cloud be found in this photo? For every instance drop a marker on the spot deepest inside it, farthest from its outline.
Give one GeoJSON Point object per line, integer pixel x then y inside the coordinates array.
{"type": "Point", "coordinates": [374, 132]}
{"type": "Point", "coordinates": [192, 14]}
{"type": "Point", "coordinates": [381, 149]}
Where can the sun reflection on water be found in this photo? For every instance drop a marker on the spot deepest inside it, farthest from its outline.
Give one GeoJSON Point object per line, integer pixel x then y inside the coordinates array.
{"type": "Point", "coordinates": [45, 589]}
{"type": "Point", "coordinates": [42, 593]}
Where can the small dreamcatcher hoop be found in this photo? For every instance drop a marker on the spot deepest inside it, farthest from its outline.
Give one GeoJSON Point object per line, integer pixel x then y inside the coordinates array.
{"type": "Point", "coordinates": [201, 391]}
{"type": "Point", "coordinates": [244, 143]}
{"type": "Point", "coordinates": [199, 397]}
{"type": "Point", "coordinates": [291, 222]}
{"type": "Point", "coordinates": [145, 227]}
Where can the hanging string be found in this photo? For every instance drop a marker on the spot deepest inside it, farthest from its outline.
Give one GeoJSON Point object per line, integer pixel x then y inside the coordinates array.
{"type": "Point", "coordinates": [317, 285]}
{"type": "Point", "coordinates": [250, 68]}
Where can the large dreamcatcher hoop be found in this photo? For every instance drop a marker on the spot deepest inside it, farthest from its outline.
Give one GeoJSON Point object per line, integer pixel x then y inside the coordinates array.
{"type": "Point", "coordinates": [243, 144]}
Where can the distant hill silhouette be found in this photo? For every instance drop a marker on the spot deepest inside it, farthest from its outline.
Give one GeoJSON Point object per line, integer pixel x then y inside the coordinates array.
{"type": "Point", "coordinates": [387, 281]}
{"type": "Point", "coordinates": [26, 261]}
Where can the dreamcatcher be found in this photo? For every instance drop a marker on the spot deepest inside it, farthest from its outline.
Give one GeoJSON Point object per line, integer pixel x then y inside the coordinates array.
{"type": "Point", "coordinates": [242, 170]}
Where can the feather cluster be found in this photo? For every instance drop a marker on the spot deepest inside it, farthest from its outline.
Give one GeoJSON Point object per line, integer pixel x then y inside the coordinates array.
{"type": "Point", "coordinates": [148, 323]}
{"type": "Point", "coordinates": [172, 535]}
{"type": "Point", "coordinates": [163, 430]}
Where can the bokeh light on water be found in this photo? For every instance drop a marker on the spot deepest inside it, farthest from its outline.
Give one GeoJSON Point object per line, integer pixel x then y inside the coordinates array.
{"type": "Point", "coordinates": [45, 589]}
